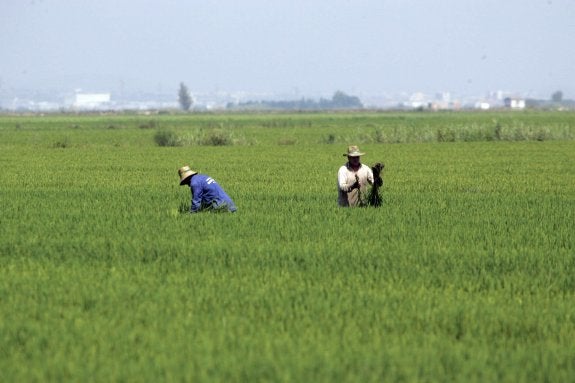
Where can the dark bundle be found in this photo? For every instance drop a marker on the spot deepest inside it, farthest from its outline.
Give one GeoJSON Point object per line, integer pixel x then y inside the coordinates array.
{"type": "Point", "coordinates": [374, 197]}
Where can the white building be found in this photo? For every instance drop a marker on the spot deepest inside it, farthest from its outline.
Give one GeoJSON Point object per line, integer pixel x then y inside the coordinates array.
{"type": "Point", "coordinates": [418, 100]}
{"type": "Point", "coordinates": [87, 101]}
{"type": "Point", "coordinates": [514, 103]}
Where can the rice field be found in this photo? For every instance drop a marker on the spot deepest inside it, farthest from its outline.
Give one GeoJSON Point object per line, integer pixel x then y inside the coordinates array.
{"type": "Point", "coordinates": [466, 273]}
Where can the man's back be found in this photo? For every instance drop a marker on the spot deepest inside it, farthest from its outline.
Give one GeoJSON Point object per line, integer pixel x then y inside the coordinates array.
{"type": "Point", "coordinates": [207, 193]}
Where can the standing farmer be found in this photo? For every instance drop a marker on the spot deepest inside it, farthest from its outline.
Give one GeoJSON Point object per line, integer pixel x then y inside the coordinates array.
{"type": "Point", "coordinates": [206, 193]}
{"type": "Point", "coordinates": [353, 179]}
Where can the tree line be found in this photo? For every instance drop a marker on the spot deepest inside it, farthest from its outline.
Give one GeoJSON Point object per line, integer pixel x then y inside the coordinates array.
{"type": "Point", "coordinates": [339, 100]}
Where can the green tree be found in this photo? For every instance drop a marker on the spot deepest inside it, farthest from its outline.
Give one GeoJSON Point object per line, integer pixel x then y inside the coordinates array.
{"type": "Point", "coordinates": [184, 97]}
{"type": "Point", "coordinates": [557, 96]}
{"type": "Point", "coordinates": [342, 100]}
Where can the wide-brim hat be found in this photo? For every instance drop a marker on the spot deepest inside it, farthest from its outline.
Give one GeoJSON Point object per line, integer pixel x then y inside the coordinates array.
{"type": "Point", "coordinates": [353, 151]}
{"type": "Point", "coordinates": [185, 172]}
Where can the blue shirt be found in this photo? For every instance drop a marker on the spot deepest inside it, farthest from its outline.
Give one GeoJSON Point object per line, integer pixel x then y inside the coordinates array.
{"type": "Point", "coordinates": [207, 194]}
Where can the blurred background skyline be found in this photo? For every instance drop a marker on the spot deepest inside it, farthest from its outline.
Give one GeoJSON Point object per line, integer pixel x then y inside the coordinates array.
{"type": "Point", "coordinates": [299, 48]}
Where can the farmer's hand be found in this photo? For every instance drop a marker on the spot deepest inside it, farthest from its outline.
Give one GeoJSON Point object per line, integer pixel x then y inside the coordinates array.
{"type": "Point", "coordinates": [355, 185]}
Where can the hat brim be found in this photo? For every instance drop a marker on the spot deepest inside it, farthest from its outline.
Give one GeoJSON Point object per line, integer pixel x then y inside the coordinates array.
{"type": "Point", "coordinates": [356, 154]}
{"type": "Point", "coordinates": [186, 176]}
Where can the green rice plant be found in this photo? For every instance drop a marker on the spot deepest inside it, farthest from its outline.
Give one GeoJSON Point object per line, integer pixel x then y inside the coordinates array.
{"type": "Point", "coordinates": [465, 273]}
{"type": "Point", "coordinates": [184, 207]}
{"type": "Point", "coordinates": [329, 139]}
{"type": "Point", "coordinates": [213, 137]}
{"type": "Point", "coordinates": [167, 138]}
{"type": "Point", "coordinates": [151, 124]}
{"type": "Point", "coordinates": [287, 141]}
{"type": "Point", "coordinates": [217, 137]}
{"type": "Point", "coordinates": [62, 143]}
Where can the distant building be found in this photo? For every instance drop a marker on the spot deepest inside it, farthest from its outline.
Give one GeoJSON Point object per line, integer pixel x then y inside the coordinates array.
{"type": "Point", "coordinates": [514, 103]}
{"type": "Point", "coordinates": [483, 105]}
{"type": "Point", "coordinates": [418, 100]}
{"type": "Point", "coordinates": [87, 101]}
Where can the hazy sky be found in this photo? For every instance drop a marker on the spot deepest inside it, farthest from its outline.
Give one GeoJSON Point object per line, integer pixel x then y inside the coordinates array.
{"type": "Point", "coordinates": [289, 46]}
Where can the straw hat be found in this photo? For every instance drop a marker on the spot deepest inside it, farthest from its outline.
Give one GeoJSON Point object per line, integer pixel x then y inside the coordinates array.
{"type": "Point", "coordinates": [353, 151]}
{"type": "Point", "coordinates": [185, 172]}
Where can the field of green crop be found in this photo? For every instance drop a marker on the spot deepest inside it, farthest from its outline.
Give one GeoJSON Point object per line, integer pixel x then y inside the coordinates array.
{"type": "Point", "coordinates": [466, 273]}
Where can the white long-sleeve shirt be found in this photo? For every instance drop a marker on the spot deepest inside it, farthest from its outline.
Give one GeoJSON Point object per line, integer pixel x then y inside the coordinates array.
{"type": "Point", "coordinates": [346, 179]}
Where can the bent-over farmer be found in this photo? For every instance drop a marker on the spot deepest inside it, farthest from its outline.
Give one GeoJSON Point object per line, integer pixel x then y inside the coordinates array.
{"type": "Point", "coordinates": [353, 179]}
{"type": "Point", "coordinates": [206, 193]}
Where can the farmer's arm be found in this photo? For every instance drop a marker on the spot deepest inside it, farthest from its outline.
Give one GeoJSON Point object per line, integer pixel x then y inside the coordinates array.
{"type": "Point", "coordinates": [342, 180]}
{"type": "Point", "coordinates": [197, 195]}
{"type": "Point", "coordinates": [369, 175]}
